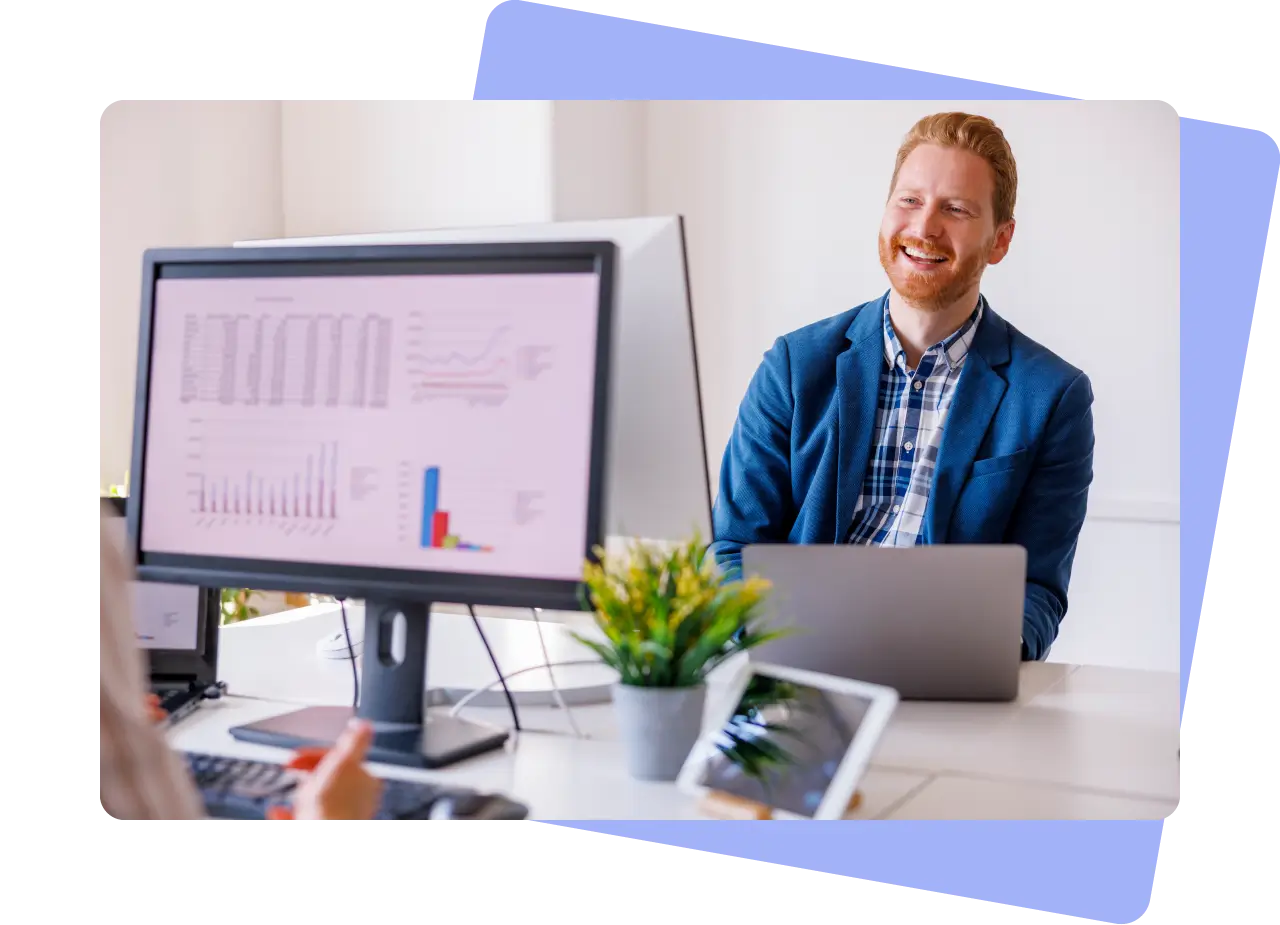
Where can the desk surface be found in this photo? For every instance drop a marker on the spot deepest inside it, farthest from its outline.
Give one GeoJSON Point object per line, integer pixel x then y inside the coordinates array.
{"type": "Point", "coordinates": [1078, 743]}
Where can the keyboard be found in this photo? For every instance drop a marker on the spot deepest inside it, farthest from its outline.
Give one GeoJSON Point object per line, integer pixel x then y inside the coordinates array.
{"type": "Point", "coordinates": [233, 788]}
{"type": "Point", "coordinates": [177, 703]}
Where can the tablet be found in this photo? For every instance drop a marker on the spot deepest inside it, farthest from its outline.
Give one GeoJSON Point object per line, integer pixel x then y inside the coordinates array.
{"type": "Point", "coordinates": [795, 741]}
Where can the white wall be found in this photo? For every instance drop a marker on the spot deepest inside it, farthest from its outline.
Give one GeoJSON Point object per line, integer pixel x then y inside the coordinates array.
{"type": "Point", "coordinates": [782, 202]}
{"type": "Point", "coordinates": [598, 159]}
{"type": "Point", "coordinates": [352, 167]}
{"type": "Point", "coordinates": [173, 174]}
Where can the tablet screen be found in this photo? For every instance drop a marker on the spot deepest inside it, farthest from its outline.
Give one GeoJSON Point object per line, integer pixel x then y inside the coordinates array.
{"type": "Point", "coordinates": [783, 744]}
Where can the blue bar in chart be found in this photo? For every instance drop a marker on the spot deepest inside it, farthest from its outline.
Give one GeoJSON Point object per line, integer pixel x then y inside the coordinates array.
{"type": "Point", "coordinates": [430, 503]}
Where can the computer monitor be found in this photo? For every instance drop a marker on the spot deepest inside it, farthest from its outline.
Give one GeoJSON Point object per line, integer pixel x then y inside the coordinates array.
{"type": "Point", "coordinates": [400, 424]}
{"type": "Point", "coordinates": [175, 625]}
{"type": "Point", "coordinates": [659, 485]}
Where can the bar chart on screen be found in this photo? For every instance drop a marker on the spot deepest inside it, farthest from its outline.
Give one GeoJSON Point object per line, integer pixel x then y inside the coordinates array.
{"type": "Point", "coordinates": [433, 520]}
{"type": "Point", "coordinates": [243, 474]}
{"type": "Point", "coordinates": [431, 497]}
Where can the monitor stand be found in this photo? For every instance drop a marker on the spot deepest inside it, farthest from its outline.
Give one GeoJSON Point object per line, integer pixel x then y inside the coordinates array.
{"type": "Point", "coordinates": [391, 698]}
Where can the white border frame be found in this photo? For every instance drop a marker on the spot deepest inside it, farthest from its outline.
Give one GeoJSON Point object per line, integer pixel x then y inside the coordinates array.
{"type": "Point", "coordinates": [835, 802]}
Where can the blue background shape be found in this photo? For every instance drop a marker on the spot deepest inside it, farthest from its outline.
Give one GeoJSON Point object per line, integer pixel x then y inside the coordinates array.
{"type": "Point", "coordinates": [1098, 870]}
{"type": "Point", "coordinates": [535, 52]}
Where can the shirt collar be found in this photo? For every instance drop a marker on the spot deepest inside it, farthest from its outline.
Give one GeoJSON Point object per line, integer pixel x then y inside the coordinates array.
{"type": "Point", "coordinates": [953, 349]}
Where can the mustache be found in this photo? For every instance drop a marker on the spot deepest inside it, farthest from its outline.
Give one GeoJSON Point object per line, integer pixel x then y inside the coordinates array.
{"type": "Point", "coordinates": [917, 244]}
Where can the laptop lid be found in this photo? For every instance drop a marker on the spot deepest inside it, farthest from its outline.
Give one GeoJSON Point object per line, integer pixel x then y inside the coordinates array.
{"type": "Point", "coordinates": [933, 622]}
{"type": "Point", "coordinates": [177, 625]}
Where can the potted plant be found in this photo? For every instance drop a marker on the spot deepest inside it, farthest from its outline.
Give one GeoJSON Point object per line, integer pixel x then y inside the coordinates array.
{"type": "Point", "coordinates": [669, 618]}
{"type": "Point", "coordinates": [236, 607]}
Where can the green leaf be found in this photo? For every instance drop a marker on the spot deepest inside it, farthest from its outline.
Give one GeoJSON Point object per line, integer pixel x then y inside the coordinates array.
{"type": "Point", "coordinates": [668, 615]}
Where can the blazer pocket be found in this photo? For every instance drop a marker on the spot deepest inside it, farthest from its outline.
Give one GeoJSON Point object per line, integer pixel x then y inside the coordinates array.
{"type": "Point", "coordinates": [993, 464]}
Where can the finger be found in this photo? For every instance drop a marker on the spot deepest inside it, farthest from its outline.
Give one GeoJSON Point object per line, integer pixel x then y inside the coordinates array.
{"type": "Point", "coordinates": [279, 812]}
{"type": "Point", "coordinates": [357, 739]}
{"type": "Point", "coordinates": [353, 743]}
{"type": "Point", "coordinates": [306, 759]}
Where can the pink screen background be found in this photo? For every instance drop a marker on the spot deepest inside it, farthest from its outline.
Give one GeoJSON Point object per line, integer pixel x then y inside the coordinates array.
{"type": "Point", "coordinates": [296, 419]}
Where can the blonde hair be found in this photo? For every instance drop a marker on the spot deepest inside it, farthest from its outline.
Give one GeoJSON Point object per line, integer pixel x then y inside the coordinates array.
{"type": "Point", "coordinates": [977, 135]}
{"type": "Point", "coordinates": [140, 777]}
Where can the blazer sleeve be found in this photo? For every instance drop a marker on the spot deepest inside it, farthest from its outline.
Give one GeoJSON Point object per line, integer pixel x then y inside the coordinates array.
{"type": "Point", "coordinates": [1050, 513]}
{"type": "Point", "coordinates": [755, 503]}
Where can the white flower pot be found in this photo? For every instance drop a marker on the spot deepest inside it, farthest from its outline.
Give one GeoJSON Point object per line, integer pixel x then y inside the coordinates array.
{"type": "Point", "coordinates": [659, 727]}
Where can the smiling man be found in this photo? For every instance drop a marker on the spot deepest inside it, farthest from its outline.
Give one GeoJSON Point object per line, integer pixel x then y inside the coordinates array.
{"type": "Point", "coordinates": [923, 416]}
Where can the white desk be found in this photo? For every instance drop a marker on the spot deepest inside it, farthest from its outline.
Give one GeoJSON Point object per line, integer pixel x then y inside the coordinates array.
{"type": "Point", "coordinates": [1079, 743]}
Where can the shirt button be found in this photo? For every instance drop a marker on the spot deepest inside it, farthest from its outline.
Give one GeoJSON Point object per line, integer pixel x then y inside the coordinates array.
{"type": "Point", "coordinates": [919, 385]}
{"type": "Point", "coordinates": [896, 508]}
{"type": "Point", "coordinates": [907, 446]}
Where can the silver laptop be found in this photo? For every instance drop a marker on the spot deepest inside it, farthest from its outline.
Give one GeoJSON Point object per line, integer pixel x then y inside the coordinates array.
{"type": "Point", "coordinates": [933, 622]}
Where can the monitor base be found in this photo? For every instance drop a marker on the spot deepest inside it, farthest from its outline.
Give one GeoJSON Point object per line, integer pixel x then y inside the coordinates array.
{"type": "Point", "coordinates": [438, 742]}
{"type": "Point", "coordinates": [392, 688]}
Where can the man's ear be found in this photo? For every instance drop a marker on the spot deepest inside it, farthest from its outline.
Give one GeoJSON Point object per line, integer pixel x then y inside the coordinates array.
{"type": "Point", "coordinates": [1004, 237]}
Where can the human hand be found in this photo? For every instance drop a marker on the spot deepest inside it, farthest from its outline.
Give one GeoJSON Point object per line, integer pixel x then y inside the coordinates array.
{"type": "Point", "coordinates": [338, 786]}
{"type": "Point", "coordinates": [154, 710]}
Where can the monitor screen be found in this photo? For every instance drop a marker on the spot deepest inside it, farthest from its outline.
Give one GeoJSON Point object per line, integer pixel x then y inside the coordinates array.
{"type": "Point", "coordinates": [783, 744]}
{"type": "Point", "coordinates": [164, 616]}
{"type": "Point", "coordinates": [417, 415]}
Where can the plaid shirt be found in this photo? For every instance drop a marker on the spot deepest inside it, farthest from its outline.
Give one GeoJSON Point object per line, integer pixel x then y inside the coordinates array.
{"type": "Point", "coordinates": [911, 409]}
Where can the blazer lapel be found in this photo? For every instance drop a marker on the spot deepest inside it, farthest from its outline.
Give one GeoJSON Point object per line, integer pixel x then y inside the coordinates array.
{"type": "Point", "coordinates": [977, 396]}
{"type": "Point", "coordinates": [857, 388]}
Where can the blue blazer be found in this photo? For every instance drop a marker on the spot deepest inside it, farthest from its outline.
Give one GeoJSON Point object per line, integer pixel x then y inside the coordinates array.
{"type": "Point", "coordinates": [1014, 466]}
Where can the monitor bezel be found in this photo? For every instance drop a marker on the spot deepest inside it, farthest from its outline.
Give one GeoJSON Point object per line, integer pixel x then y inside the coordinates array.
{"type": "Point", "coordinates": [364, 581]}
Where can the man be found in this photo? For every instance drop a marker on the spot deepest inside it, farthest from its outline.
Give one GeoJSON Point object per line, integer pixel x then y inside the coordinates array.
{"type": "Point", "coordinates": [922, 416]}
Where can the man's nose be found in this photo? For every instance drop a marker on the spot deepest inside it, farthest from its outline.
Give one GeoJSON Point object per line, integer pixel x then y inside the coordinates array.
{"type": "Point", "coordinates": [926, 223]}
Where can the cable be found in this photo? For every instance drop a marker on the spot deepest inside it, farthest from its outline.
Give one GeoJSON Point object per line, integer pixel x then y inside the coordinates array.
{"type": "Point", "coordinates": [457, 707]}
{"type": "Point", "coordinates": [515, 717]}
{"type": "Point", "coordinates": [555, 688]}
{"type": "Point", "coordinates": [351, 653]}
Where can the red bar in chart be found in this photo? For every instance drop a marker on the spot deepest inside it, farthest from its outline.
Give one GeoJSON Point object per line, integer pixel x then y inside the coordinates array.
{"type": "Point", "coordinates": [439, 528]}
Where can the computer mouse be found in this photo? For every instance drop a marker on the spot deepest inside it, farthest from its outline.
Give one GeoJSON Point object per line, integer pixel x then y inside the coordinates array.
{"type": "Point", "coordinates": [334, 645]}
